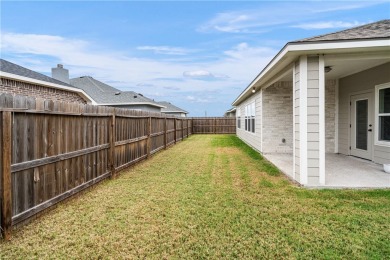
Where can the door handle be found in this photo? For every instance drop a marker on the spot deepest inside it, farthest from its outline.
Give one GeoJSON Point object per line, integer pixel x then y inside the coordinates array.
{"type": "Point", "coordinates": [369, 130]}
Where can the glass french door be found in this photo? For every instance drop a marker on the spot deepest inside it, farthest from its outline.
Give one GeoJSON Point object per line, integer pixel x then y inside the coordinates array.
{"type": "Point", "coordinates": [362, 126]}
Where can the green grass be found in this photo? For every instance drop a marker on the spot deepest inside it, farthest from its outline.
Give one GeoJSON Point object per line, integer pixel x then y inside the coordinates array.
{"type": "Point", "coordinates": [210, 196]}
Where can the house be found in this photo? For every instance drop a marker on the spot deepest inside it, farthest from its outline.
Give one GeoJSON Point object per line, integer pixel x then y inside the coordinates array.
{"type": "Point", "coordinates": [171, 109]}
{"type": "Point", "coordinates": [230, 113]}
{"type": "Point", "coordinates": [105, 95]}
{"type": "Point", "coordinates": [18, 80]}
{"type": "Point", "coordinates": [320, 104]}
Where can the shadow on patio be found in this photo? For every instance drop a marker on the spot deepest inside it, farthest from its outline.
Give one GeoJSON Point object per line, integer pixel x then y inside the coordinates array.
{"type": "Point", "coordinates": [341, 171]}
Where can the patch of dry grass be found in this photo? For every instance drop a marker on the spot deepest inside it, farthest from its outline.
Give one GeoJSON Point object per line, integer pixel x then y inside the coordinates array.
{"type": "Point", "coordinates": [210, 196]}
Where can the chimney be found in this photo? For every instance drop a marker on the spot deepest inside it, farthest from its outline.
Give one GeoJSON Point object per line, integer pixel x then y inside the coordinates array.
{"type": "Point", "coordinates": [60, 73]}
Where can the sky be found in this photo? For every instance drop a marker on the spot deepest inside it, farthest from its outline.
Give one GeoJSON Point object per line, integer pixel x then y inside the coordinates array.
{"type": "Point", "coordinates": [198, 55]}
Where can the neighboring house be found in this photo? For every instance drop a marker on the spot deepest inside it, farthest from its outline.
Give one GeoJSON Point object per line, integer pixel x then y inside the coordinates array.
{"type": "Point", "coordinates": [322, 95]}
{"type": "Point", "coordinates": [171, 109]}
{"type": "Point", "coordinates": [105, 95]}
{"type": "Point", "coordinates": [18, 80]}
{"type": "Point", "coordinates": [230, 113]}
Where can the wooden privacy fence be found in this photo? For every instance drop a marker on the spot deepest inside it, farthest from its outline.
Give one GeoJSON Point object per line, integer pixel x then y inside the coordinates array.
{"type": "Point", "coordinates": [53, 150]}
{"type": "Point", "coordinates": [214, 125]}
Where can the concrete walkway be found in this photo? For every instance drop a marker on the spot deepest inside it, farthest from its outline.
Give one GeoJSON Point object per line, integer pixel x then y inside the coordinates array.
{"type": "Point", "coordinates": [341, 171]}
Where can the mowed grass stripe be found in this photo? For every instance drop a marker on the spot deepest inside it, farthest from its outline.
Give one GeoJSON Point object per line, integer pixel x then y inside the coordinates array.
{"type": "Point", "coordinates": [210, 196]}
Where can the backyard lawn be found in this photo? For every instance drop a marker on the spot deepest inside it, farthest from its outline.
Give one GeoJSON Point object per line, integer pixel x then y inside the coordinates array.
{"type": "Point", "coordinates": [209, 196]}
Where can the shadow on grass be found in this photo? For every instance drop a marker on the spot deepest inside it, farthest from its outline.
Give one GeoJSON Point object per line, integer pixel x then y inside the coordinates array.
{"type": "Point", "coordinates": [234, 141]}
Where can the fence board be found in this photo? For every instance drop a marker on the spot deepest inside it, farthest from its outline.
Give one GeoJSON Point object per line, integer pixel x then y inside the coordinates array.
{"type": "Point", "coordinates": [59, 149]}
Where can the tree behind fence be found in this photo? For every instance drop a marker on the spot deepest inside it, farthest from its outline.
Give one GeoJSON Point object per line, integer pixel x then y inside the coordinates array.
{"type": "Point", "coordinates": [58, 149]}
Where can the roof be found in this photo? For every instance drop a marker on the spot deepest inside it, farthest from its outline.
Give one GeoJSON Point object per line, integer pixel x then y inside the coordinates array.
{"type": "Point", "coordinates": [104, 94]}
{"type": "Point", "coordinates": [380, 29]}
{"type": "Point", "coordinates": [15, 69]}
{"type": "Point", "coordinates": [365, 38]}
{"type": "Point", "coordinates": [233, 109]}
{"type": "Point", "coordinates": [17, 72]}
{"type": "Point", "coordinates": [170, 108]}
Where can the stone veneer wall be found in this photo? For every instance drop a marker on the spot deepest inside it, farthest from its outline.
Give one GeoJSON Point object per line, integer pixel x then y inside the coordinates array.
{"type": "Point", "coordinates": [330, 112]}
{"type": "Point", "coordinates": [38, 91]}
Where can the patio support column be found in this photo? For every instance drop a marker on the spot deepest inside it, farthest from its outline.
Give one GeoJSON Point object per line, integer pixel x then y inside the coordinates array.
{"type": "Point", "coordinates": [309, 120]}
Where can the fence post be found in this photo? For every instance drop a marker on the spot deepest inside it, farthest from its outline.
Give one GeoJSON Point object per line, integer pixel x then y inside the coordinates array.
{"type": "Point", "coordinates": [215, 125]}
{"type": "Point", "coordinates": [149, 140]}
{"type": "Point", "coordinates": [187, 126]}
{"type": "Point", "coordinates": [165, 133]}
{"type": "Point", "coordinates": [182, 129]}
{"type": "Point", "coordinates": [192, 126]}
{"type": "Point", "coordinates": [175, 130]}
{"type": "Point", "coordinates": [6, 205]}
{"type": "Point", "coordinates": [111, 155]}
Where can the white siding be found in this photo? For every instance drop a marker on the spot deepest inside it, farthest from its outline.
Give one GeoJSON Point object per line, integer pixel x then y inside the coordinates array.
{"type": "Point", "coordinates": [297, 118]}
{"type": "Point", "coordinates": [362, 81]}
{"type": "Point", "coordinates": [252, 139]}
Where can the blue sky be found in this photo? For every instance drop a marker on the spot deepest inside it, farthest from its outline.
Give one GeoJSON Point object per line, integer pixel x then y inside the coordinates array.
{"type": "Point", "coordinates": [198, 55]}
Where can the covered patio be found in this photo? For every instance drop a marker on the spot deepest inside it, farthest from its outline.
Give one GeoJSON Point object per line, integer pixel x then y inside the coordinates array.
{"type": "Point", "coordinates": [341, 171]}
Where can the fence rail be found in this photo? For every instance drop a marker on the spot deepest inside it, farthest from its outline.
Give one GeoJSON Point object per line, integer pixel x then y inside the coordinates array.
{"type": "Point", "coordinates": [53, 150]}
{"type": "Point", "coordinates": [214, 125]}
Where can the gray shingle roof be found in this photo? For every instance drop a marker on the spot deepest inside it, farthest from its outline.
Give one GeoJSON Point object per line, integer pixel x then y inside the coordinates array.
{"type": "Point", "coordinates": [9, 67]}
{"type": "Point", "coordinates": [377, 30]}
{"type": "Point", "coordinates": [171, 108]}
{"type": "Point", "coordinates": [105, 94]}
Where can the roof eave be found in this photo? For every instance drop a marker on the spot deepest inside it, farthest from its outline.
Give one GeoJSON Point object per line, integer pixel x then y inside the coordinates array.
{"type": "Point", "coordinates": [47, 84]}
{"type": "Point", "coordinates": [293, 49]}
{"type": "Point", "coordinates": [130, 104]}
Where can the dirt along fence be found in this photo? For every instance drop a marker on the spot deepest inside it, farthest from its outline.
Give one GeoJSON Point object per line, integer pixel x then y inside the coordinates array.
{"type": "Point", "coordinates": [53, 150]}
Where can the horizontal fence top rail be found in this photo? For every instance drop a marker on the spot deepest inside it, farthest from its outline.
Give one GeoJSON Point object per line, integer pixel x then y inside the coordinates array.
{"type": "Point", "coordinates": [57, 149]}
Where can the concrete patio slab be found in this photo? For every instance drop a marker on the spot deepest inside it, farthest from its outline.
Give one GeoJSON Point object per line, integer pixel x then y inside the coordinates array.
{"type": "Point", "coordinates": [341, 171]}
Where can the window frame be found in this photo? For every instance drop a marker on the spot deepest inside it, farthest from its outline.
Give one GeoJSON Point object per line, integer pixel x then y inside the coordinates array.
{"type": "Point", "coordinates": [238, 118]}
{"type": "Point", "coordinates": [250, 117]}
{"type": "Point", "coordinates": [377, 115]}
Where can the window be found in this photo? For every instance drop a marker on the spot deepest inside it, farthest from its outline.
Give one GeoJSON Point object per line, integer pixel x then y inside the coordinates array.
{"type": "Point", "coordinates": [382, 114]}
{"type": "Point", "coordinates": [250, 117]}
{"type": "Point", "coordinates": [239, 118]}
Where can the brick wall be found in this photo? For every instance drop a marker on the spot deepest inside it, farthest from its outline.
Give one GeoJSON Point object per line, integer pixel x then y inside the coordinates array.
{"type": "Point", "coordinates": [33, 90]}
{"type": "Point", "coordinates": [278, 118]}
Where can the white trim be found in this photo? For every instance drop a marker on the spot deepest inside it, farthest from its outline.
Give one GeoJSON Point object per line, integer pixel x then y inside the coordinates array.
{"type": "Point", "coordinates": [130, 104]}
{"type": "Point", "coordinates": [329, 47]}
{"type": "Point", "coordinates": [174, 112]}
{"type": "Point", "coordinates": [261, 120]}
{"type": "Point", "coordinates": [46, 84]}
{"type": "Point", "coordinates": [294, 114]}
{"type": "Point", "coordinates": [321, 97]}
{"type": "Point", "coordinates": [376, 114]}
{"type": "Point", "coordinates": [303, 119]}
{"type": "Point", "coordinates": [336, 118]}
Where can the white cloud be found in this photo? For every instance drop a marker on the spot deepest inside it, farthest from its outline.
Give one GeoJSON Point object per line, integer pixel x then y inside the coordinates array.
{"type": "Point", "coordinates": [280, 13]}
{"type": "Point", "coordinates": [197, 74]}
{"type": "Point", "coordinates": [327, 25]}
{"type": "Point", "coordinates": [148, 76]}
{"type": "Point", "coordinates": [166, 50]}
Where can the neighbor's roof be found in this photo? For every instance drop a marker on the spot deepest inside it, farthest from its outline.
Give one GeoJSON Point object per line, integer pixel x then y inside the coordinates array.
{"type": "Point", "coordinates": [233, 109]}
{"type": "Point", "coordinates": [170, 108]}
{"type": "Point", "coordinates": [14, 71]}
{"type": "Point", "coordinates": [380, 29]}
{"type": "Point", "coordinates": [104, 94]}
{"type": "Point", "coordinates": [373, 36]}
